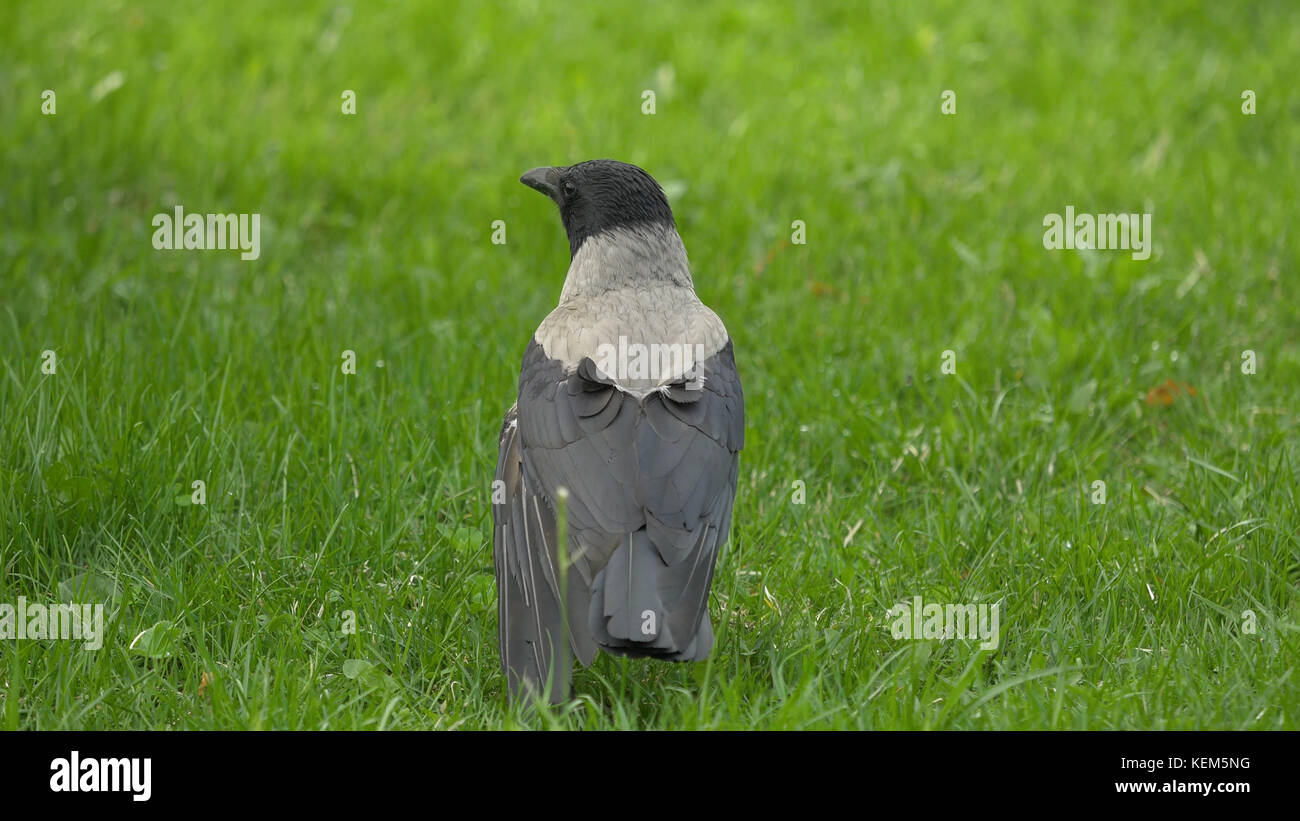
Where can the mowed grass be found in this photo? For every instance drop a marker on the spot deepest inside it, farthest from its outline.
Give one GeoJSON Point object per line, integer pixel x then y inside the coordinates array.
{"type": "Point", "coordinates": [369, 493]}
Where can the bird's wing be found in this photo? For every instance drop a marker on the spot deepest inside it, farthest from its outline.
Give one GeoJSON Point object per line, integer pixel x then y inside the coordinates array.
{"type": "Point", "coordinates": [651, 485]}
{"type": "Point", "coordinates": [530, 630]}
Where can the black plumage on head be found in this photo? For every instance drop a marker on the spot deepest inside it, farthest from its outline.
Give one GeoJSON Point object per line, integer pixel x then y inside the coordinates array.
{"type": "Point", "coordinates": [600, 195]}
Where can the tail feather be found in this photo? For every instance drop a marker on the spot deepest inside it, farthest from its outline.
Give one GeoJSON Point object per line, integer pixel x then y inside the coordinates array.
{"type": "Point", "coordinates": [640, 606]}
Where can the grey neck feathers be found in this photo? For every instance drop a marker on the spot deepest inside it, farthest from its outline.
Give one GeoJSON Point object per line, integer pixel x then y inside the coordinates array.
{"type": "Point", "coordinates": [645, 255]}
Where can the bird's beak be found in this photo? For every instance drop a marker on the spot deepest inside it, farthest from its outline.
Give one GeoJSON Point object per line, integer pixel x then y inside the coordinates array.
{"type": "Point", "coordinates": [545, 180]}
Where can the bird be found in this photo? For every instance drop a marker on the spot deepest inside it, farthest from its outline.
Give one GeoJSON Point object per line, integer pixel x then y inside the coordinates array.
{"type": "Point", "coordinates": [624, 441]}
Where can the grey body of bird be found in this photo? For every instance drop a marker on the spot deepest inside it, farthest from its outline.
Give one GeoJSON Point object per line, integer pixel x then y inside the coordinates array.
{"type": "Point", "coordinates": [630, 408]}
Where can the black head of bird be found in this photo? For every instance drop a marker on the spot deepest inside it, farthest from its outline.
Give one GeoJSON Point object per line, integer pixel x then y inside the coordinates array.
{"type": "Point", "coordinates": [599, 195]}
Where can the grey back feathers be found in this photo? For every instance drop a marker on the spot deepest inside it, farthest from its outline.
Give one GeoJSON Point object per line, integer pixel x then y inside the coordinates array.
{"type": "Point", "coordinates": [632, 256]}
{"type": "Point", "coordinates": [650, 463]}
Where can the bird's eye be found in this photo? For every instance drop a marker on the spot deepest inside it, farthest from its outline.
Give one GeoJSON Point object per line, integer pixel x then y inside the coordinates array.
{"type": "Point", "coordinates": [569, 188]}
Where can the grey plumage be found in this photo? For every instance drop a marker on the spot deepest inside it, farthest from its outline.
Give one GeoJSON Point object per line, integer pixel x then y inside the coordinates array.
{"type": "Point", "coordinates": [650, 463]}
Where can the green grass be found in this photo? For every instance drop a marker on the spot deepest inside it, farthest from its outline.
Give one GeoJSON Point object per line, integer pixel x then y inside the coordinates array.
{"type": "Point", "coordinates": [370, 493]}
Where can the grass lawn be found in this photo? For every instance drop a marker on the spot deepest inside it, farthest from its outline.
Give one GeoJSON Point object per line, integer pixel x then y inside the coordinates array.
{"type": "Point", "coordinates": [362, 499]}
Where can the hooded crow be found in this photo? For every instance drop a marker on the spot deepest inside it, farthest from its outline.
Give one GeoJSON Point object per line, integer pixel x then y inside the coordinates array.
{"type": "Point", "coordinates": [629, 409]}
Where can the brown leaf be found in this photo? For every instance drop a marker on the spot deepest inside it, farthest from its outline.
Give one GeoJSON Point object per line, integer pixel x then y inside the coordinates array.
{"type": "Point", "coordinates": [1165, 394]}
{"type": "Point", "coordinates": [761, 265]}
